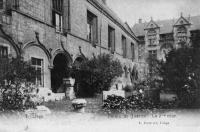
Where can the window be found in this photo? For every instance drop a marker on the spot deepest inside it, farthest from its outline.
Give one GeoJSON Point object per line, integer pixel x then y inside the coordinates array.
{"type": "Point", "coordinates": [3, 52]}
{"type": "Point", "coordinates": [151, 37]}
{"type": "Point", "coordinates": [1, 4]}
{"type": "Point", "coordinates": [182, 35]}
{"type": "Point", "coordinates": [152, 41]}
{"type": "Point", "coordinates": [111, 38]}
{"type": "Point", "coordinates": [139, 52]}
{"type": "Point", "coordinates": [4, 61]}
{"type": "Point", "coordinates": [10, 4]}
{"type": "Point", "coordinates": [38, 65]}
{"type": "Point", "coordinates": [6, 19]}
{"type": "Point", "coordinates": [66, 16]}
{"type": "Point", "coordinates": [153, 54]}
{"type": "Point", "coordinates": [57, 14]}
{"type": "Point", "coordinates": [92, 27]}
{"type": "Point", "coordinates": [15, 4]}
{"type": "Point", "coordinates": [124, 47]}
{"type": "Point", "coordinates": [133, 51]}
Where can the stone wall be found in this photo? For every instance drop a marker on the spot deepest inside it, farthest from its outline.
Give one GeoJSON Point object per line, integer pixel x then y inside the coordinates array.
{"type": "Point", "coordinates": [36, 16]}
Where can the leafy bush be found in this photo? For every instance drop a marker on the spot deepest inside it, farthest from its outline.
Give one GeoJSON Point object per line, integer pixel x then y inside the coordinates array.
{"type": "Point", "coordinates": [119, 105]}
{"type": "Point", "coordinates": [128, 88]}
{"type": "Point", "coordinates": [114, 104]}
{"type": "Point", "coordinates": [181, 73]}
{"type": "Point", "coordinates": [15, 85]}
{"type": "Point", "coordinates": [96, 75]}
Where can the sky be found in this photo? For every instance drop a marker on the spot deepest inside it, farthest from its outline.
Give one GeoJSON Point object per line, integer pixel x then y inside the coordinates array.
{"type": "Point", "coordinates": [132, 10]}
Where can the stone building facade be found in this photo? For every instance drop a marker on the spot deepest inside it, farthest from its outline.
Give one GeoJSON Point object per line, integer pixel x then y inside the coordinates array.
{"type": "Point", "coordinates": [157, 38]}
{"type": "Point", "coordinates": [57, 34]}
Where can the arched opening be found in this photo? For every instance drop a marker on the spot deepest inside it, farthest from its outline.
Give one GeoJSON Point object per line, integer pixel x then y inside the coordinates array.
{"type": "Point", "coordinates": [76, 66]}
{"type": "Point", "coordinates": [60, 70]}
{"type": "Point", "coordinates": [78, 62]}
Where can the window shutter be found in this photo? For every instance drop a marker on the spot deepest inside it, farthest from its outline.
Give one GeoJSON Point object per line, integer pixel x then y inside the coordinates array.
{"type": "Point", "coordinates": [66, 16]}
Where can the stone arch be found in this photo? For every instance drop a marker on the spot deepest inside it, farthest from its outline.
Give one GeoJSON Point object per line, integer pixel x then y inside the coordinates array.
{"type": "Point", "coordinates": [34, 43]}
{"type": "Point", "coordinates": [11, 50]}
{"type": "Point", "coordinates": [11, 41]}
{"type": "Point", "coordinates": [79, 56]}
{"type": "Point", "coordinates": [59, 51]}
{"type": "Point", "coordinates": [61, 63]}
{"type": "Point", "coordinates": [78, 60]}
{"type": "Point", "coordinates": [40, 57]}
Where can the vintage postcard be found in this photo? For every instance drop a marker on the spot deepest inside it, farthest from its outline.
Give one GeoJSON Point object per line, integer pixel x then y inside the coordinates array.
{"type": "Point", "coordinates": [99, 65]}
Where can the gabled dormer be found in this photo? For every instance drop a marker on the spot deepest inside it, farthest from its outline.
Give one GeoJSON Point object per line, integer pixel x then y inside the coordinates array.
{"type": "Point", "coordinates": [182, 32]}
{"type": "Point", "coordinates": [152, 31]}
{"type": "Point", "coordinates": [151, 25]}
{"type": "Point", "coordinates": [182, 22]}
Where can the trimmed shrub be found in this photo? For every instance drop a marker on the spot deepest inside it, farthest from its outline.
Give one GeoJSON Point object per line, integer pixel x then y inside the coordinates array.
{"type": "Point", "coordinates": [96, 75]}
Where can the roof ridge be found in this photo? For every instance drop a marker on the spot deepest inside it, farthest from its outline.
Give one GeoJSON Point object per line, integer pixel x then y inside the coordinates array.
{"type": "Point", "coordinates": [166, 25]}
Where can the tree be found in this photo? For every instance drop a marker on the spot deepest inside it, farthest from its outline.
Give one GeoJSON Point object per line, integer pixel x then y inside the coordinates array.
{"type": "Point", "coordinates": [181, 74]}
{"type": "Point", "coordinates": [97, 74]}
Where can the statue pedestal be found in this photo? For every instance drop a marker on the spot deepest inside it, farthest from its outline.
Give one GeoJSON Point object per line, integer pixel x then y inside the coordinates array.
{"type": "Point", "coordinates": [69, 90]}
{"type": "Point", "coordinates": [70, 94]}
{"type": "Point", "coordinates": [79, 105]}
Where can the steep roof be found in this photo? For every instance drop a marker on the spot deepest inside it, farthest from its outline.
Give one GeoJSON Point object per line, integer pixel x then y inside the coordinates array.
{"type": "Point", "coordinates": [166, 26]}
{"type": "Point", "coordinates": [114, 16]}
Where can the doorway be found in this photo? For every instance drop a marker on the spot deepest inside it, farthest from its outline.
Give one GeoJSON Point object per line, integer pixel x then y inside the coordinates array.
{"type": "Point", "coordinates": [60, 70]}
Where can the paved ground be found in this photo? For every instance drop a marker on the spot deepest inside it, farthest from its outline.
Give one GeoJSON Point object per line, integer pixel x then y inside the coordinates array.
{"type": "Point", "coordinates": [171, 121]}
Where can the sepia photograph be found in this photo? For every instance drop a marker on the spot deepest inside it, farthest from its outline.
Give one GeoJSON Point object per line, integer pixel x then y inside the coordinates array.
{"type": "Point", "coordinates": [99, 65]}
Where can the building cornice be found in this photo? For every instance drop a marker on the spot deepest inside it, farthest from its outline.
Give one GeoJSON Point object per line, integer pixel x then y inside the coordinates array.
{"type": "Point", "coordinates": [102, 10]}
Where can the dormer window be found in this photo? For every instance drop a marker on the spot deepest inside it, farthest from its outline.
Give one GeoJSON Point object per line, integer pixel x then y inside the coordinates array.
{"type": "Point", "coordinates": [181, 29]}
{"type": "Point", "coordinates": [151, 34]}
{"type": "Point", "coordinates": [182, 34]}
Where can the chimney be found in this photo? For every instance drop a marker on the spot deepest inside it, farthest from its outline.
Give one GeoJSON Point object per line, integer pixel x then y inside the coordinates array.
{"type": "Point", "coordinates": [104, 1]}
{"type": "Point", "coordinates": [140, 21]}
